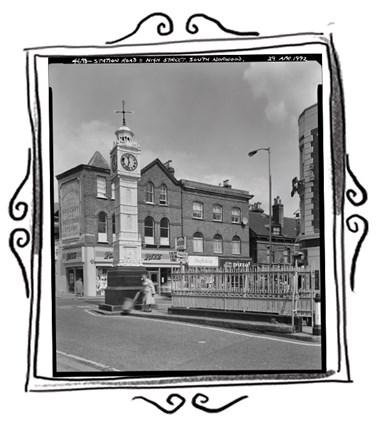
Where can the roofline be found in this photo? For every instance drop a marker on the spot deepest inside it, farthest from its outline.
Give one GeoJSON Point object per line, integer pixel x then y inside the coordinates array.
{"type": "Point", "coordinates": [303, 112]}
{"type": "Point", "coordinates": [159, 163]}
{"type": "Point", "coordinates": [82, 167]}
{"type": "Point", "coordinates": [246, 196]}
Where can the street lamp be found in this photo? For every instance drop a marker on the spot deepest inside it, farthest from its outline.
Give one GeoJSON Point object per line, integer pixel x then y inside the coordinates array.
{"type": "Point", "coordinates": [251, 154]}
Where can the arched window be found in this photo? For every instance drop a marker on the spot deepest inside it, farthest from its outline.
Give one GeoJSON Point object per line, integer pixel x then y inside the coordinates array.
{"type": "Point", "coordinates": [198, 242]}
{"type": "Point", "coordinates": [236, 245]}
{"type": "Point", "coordinates": [164, 232]}
{"type": "Point", "coordinates": [149, 230]}
{"type": "Point", "coordinates": [102, 227]}
{"type": "Point", "coordinates": [163, 195]}
{"type": "Point", "coordinates": [218, 244]}
{"type": "Point", "coordinates": [149, 193]}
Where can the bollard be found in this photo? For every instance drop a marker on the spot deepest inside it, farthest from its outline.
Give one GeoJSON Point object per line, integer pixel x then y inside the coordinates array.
{"type": "Point", "coordinates": [317, 316]}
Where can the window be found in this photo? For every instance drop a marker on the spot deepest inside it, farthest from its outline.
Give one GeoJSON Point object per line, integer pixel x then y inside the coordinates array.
{"type": "Point", "coordinates": [275, 230]}
{"type": "Point", "coordinates": [236, 215]}
{"type": "Point", "coordinates": [113, 191]}
{"type": "Point", "coordinates": [149, 230]}
{"type": "Point", "coordinates": [198, 243]}
{"type": "Point", "coordinates": [102, 227]}
{"type": "Point", "coordinates": [197, 210]}
{"type": "Point", "coordinates": [101, 185]}
{"type": "Point", "coordinates": [149, 193]}
{"type": "Point", "coordinates": [113, 227]}
{"type": "Point", "coordinates": [236, 247]}
{"type": "Point", "coordinates": [163, 195]}
{"type": "Point", "coordinates": [164, 232]}
{"type": "Point", "coordinates": [218, 244]}
{"type": "Point", "coordinates": [217, 213]}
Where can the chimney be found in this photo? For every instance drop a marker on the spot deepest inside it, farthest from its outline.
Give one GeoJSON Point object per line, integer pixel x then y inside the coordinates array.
{"type": "Point", "coordinates": [169, 167]}
{"type": "Point", "coordinates": [226, 183]}
{"type": "Point", "coordinates": [278, 211]}
{"type": "Point", "coordinates": [256, 207]}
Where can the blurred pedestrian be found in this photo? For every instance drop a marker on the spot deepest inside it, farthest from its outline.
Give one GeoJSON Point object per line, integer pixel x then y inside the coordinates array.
{"type": "Point", "coordinates": [79, 287]}
{"type": "Point", "coordinates": [148, 291]}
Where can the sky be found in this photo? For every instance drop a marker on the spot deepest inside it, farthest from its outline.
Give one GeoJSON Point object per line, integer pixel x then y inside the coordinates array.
{"type": "Point", "coordinates": [205, 117]}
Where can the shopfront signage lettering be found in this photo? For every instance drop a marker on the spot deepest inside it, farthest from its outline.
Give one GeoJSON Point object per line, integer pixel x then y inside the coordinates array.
{"type": "Point", "coordinates": [150, 256]}
{"type": "Point", "coordinates": [71, 256]}
{"type": "Point", "coordinates": [70, 209]}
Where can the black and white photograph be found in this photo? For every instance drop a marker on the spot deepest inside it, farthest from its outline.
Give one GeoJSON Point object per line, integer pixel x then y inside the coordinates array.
{"type": "Point", "coordinates": [190, 212]}
{"type": "Point", "coordinates": [187, 213]}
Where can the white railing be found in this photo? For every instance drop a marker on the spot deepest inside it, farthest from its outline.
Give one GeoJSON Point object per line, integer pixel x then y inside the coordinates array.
{"type": "Point", "coordinates": [282, 290]}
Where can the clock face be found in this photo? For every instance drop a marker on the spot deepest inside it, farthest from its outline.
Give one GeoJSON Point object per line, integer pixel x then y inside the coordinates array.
{"type": "Point", "coordinates": [114, 163]}
{"type": "Point", "coordinates": [129, 162]}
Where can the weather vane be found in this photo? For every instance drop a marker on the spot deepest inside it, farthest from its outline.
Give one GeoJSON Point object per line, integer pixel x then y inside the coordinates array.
{"type": "Point", "coordinates": [123, 112]}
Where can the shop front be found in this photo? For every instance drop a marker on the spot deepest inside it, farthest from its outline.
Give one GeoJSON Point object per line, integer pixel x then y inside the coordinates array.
{"type": "Point", "coordinates": [160, 265]}
{"type": "Point", "coordinates": [103, 262]}
{"type": "Point", "coordinates": [72, 261]}
{"type": "Point", "coordinates": [203, 262]}
{"type": "Point", "coordinates": [233, 263]}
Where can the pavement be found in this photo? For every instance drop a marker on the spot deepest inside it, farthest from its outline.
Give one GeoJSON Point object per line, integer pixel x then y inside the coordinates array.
{"type": "Point", "coordinates": [160, 312]}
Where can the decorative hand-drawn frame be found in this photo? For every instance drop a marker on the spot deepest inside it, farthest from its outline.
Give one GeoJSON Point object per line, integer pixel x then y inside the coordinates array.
{"type": "Point", "coordinates": [32, 238]}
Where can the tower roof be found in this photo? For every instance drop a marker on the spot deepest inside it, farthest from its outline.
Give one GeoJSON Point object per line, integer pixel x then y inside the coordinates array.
{"type": "Point", "coordinates": [97, 160]}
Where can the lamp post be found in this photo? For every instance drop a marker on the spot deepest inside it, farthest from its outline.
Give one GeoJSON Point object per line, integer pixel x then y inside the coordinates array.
{"type": "Point", "coordinates": [251, 154]}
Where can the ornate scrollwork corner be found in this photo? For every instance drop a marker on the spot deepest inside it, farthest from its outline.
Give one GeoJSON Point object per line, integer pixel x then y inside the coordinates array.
{"type": "Point", "coordinates": [169, 400]}
{"type": "Point", "coordinates": [203, 399]}
{"type": "Point", "coordinates": [192, 28]}
{"type": "Point", "coordinates": [22, 241]}
{"type": "Point", "coordinates": [351, 193]}
{"type": "Point", "coordinates": [352, 222]}
{"type": "Point", "coordinates": [353, 226]}
{"type": "Point", "coordinates": [161, 27]}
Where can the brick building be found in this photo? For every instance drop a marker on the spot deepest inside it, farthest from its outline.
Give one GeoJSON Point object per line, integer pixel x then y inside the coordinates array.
{"type": "Point", "coordinates": [308, 186]}
{"type": "Point", "coordinates": [284, 233]}
{"type": "Point", "coordinates": [206, 223]}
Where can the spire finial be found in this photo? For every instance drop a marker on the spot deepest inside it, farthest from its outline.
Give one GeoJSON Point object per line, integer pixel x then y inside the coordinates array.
{"type": "Point", "coordinates": [123, 112]}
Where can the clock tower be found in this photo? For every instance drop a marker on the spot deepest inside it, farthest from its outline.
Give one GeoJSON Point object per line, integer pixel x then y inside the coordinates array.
{"type": "Point", "coordinates": [124, 279]}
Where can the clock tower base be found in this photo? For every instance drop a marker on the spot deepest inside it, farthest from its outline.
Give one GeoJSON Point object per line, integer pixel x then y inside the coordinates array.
{"type": "Point", "coordinates": [122, 282]}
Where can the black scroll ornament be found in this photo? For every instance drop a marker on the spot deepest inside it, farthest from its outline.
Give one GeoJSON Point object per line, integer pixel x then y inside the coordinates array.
{"type": "Point", "coordinates": [18, 212]}
{"type": "Point", "coordinates": [352, 221]}
{"type": "Point", "coordinates": [197, 401]}
{"type": "Point", "coordinates": [166, 28]}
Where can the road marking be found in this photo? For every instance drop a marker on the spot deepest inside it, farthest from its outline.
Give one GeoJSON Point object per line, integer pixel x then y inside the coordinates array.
{"type": "Point", "coordinates": [276, 339]}
{"type": "Point", "coordinates": [88, 361]}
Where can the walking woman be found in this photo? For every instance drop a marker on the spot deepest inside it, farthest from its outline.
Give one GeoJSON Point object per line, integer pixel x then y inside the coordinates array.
{"type": "Point", "coordinates": [148, 294]}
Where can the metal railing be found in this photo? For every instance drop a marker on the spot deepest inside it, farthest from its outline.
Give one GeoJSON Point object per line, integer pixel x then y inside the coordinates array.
{"type": "Point", "coordinates": [283, 290]}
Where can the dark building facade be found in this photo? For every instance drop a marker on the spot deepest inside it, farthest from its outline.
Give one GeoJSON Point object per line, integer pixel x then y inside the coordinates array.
{"type": "Point", "coordinates": [284, 233]}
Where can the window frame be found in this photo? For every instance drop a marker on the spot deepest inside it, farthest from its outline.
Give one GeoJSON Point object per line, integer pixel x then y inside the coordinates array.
{"type": "Point", "coordinates": [201, 210]}
{"type": "Point", "coordinates": [102, 236]}
{"type": "Point", "coordinates": [214, 213]}
{"type": "Point", "coordinates": [100, 194]}
{"type": "Point", "coordinates": [163, 193]}
{"type": "Point", "coordinates": [236, 242]}
{"type": "Point", "coordinates": [218, 240]}
{"type": "Point", "coordinates": [151, 193]}
{"type": "Point", "coordinates": [149, 239]}
{"type": "Point", "coordinates": [198, 238]}
{"type": "Point", "coordinates": [236, 216]}
{"type": "Point", "coordinates": [165, 241]}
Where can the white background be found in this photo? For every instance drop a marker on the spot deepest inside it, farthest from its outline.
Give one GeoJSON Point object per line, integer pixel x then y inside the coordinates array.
{"type": "Point", "coordinates": [40, 23]}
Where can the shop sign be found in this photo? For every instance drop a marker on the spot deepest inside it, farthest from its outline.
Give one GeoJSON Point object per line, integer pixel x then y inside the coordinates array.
{"type": "Point", "coordinates": [234, 263]}
{"type": "Point", "coordinates": [180, 243]}
{"type": "Point", "coordinates": [69, 199]}
{"type": "Point", "coordinates": [104, 255]}
{"type": "Point", "coordinates": [204, 261]}
{"type": "Point", "coordinates": [72, 256]}
{"type": "Point", "coordinates": [158, 257]}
